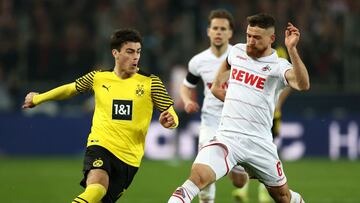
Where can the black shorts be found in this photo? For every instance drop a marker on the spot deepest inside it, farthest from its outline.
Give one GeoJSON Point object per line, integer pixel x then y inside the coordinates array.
{"type": "Point", "coordinates": [120, 173]}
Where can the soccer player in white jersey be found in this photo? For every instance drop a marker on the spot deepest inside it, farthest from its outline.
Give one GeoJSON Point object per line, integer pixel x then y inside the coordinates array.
{"type": "Point", "coordinates": [257, 77]}
{"type": "Point", "coordinates": [205, 66]}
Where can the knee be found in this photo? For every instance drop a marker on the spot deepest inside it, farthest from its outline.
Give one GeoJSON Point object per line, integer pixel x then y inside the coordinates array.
{"type": "Point", "coordinates": [98, 176]}
{"type": "Point", "coordinates": [282, 196]}
{"type": "Point", "coordinates": [239, 180]}
{"type": "Point", "coordinates": [202, 175]}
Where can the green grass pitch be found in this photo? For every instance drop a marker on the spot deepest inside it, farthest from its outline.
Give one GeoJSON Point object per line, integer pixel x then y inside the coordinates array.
{"type": "Point", "coordinates": [55, 180]}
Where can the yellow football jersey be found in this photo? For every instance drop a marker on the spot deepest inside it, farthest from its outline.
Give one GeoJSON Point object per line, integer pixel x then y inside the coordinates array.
{"type": "Point", "coordinates": [123, 111]}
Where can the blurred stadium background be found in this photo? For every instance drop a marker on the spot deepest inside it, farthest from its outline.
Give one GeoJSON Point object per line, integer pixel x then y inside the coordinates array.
{"type": "Point", "coordinates": [45, 43]}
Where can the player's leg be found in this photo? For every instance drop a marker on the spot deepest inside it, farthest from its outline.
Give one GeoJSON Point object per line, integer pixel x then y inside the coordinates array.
{"type": "Point", "coordinates": [96, 187]}
{"type": "Point", "coordinates": [268, 169]}
{"type": "Point", "coordinates": [282, 194]}
{"type": "Point", "coordinates": [121, 177]}
{"type": "Point", "coordinates": [207, 195]}
{"type": "Point", "coordinates": [263, 194]}
{"type": "Point", "coordinates": [239, 178]}
{"type": "Point", "coordinates": [96, 179]}
{"type": "Point", "coordinates": [210, 164]}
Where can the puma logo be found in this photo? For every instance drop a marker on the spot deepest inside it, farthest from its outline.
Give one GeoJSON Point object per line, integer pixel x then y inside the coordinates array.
{"type": "Point", "coordinates": [107, 88]}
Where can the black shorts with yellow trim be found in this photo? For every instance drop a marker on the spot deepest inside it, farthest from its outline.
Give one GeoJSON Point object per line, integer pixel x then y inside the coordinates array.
{"type": "Point", "coordinates": [120, 173]}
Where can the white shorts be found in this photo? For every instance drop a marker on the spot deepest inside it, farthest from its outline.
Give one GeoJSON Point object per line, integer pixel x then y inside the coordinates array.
{"type": "Point", "coordinates": [259, 158]}
{"type": "Point", "coordinates": [206, 134]}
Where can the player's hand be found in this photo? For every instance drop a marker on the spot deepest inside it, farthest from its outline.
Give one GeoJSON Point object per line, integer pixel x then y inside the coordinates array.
{"type": "Point", "coordinates": [191, 107]}
{"type": "Point", "coordinates": [28, 102]}
{"type": "Point", "coordinates": [292, 36]}
{"type": "Point", "coordinates": [166, 119]}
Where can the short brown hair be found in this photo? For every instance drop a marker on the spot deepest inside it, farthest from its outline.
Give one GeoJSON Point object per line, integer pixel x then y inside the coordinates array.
{"type": "Point", "coordinates": [222, 13]}
{"type": "Point", "coordinates": [121, 36]}
{"type": "Point", "coordinates": [261, 20]}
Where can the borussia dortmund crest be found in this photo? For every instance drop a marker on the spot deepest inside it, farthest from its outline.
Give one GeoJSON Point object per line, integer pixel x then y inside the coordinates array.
{"type": "Point", "coordinates": [98, 163]}
{"type": "Point", "coordinates": [140, 90]}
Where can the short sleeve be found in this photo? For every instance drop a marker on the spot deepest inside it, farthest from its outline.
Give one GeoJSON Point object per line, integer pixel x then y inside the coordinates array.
{"type": "Point", "coordinates": [193, 67]}
{"type": "Point", "coordinates": [229, 58]}
{"type": "Point", "coordinates": [285, 65]}
{"type": "Point", "coordinates": [160, 97]}
{"type": "Point", "coordinates": [85, 83]}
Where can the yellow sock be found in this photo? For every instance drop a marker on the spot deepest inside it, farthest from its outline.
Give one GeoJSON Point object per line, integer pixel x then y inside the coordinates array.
{"type": "Point", "coordinates": [92, 194]}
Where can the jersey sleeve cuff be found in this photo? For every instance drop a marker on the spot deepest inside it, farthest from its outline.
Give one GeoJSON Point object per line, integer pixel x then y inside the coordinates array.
{"type": "Point", "coordinates": [188, 84]}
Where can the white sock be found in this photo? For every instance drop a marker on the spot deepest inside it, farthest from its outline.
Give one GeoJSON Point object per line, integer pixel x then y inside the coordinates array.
{"type": "Point", "coordinates": [207, 195]}
{"type": "Point", "coordinates": [185, 193]}
{"type": "Point", "coordinates": [296, 197]}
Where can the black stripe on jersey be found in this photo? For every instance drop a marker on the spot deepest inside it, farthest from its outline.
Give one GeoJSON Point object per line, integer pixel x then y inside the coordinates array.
{"type": "Point", "coordinates": [158, 89]}
{"type": "Point", "coordinates": [143, 73]}
{"type": "Point", "coordinates": [165, 97]}
{"type": "Point", "coordinates": [159, 95]}
{"type": "Point", "coordinates": [163, 108]}
{"type": "Point", "coordinates": [192, 79]}
{"type": "Point", "coordinates": [165, 104]}
{"type": "Point", "coordinates": [85, 82]}
{"type": "Point", "coordinates": [157, 81]}
{"type": "Point", "coordinates": [228, 66]}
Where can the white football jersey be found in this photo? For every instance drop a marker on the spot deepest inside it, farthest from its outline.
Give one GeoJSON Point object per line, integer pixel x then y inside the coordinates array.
{"type": "Point", "coordinates": [254, 88]}
{"type": "Point", "coordinates": [206, 65]}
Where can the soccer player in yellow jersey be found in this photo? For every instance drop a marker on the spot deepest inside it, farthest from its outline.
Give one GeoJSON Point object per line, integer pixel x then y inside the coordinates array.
{"type": "Point", "coordinates": [124, 101]}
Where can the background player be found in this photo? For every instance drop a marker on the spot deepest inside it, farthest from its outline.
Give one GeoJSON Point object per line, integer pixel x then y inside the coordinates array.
{"type": "Point", "coordinates": [204, 66]}
{"type": "Point", "coordinates": [124, 101]}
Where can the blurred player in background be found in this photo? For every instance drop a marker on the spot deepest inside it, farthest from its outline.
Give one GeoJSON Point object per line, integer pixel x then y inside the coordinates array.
{"type": "Point", "coordinates": [244, 136]}
{"type": "Point", "coordinates": [124, 101]}
{"type": "Point", "coordinates": [204, 66]}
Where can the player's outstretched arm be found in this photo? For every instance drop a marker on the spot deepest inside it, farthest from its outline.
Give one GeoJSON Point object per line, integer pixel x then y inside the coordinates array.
{"type": "Point", "coordinates": [190, 106]}
{"type": "Point", "coordinates": [297, 77]}
{"type": "Point", "coordinates": [216, 88]}
{"type": "Point", "coordinates": [169, 118]}
{"type": "Point", "coordinates": [63, 92]}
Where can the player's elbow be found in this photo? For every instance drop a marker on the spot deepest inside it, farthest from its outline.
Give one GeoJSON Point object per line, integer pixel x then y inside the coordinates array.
{"type": "Point", "coordinates": [215, 91]}
{"type": "Point", "coordinates": [305, 86]}
{"type": "Point", "coordinates": [302, 85]}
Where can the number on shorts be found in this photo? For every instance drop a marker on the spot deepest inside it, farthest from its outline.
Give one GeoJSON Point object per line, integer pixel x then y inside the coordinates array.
{"type": "Point", "coordinates": [279, 169]}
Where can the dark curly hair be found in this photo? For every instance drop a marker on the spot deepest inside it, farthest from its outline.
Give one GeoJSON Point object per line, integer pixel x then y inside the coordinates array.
{"type": "Point", "coordinates": [121, 36]}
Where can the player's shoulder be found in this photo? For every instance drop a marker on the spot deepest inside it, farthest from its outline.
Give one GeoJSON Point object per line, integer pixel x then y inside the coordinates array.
{"type": "Point", "coordinates": [283, 62]}
{"type": "Point", "coordinates": [102, 70]}
{"type": "Point", "coordinates": [148, 76]}
{"type": "Point", "coordinates": [100, 73]}
{"type": "Point", "coordinates": [144, 73]}
{"type": "Point", "coordinates": [203, 55]}
{"type": "Point", "coordinates": [239, 47]}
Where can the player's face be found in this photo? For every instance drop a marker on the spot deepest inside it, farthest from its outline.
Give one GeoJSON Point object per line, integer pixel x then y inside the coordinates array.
{"type": "Point", "coordinates": [219, 32]}
{"type": "Point", "coordinates": [128, 57]}
{"type": "Point", "coordinates": [258, 41]}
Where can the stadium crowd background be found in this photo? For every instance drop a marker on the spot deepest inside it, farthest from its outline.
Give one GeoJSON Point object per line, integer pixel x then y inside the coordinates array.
{"type": "Point", "coordinates": [45, 43]}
